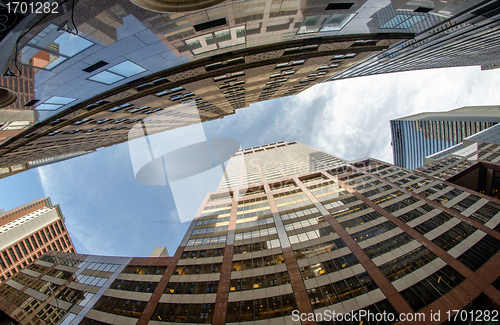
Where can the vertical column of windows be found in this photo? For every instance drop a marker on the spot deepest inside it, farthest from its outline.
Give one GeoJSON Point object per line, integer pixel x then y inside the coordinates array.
{"type": "Point", "coordinates": [12, 254]}
{"type": "Point", "coordinates": [40, 242]}
{"type": "Point", "coordinates": [23, 248]}
{"type": "Point", "coordinates": [252, 174]}
{"type": "Point", "coordinates": [231, 177]}
{"type": "Point", "coordinates": [47, 231]}
{"type": "Point", "coordinates": [269, 168]}
{"type": "Point", "coordinates": [61, 225]}
{"type": "Point", "coordinates": [67, 240]}
{"type": "Point", "coordinates": [53, 231]}
{"type": "Point", "coordinates": [283, 159]}
{"type": "Point", "coordinates": [298, 161]}
{"type": "Point", "coordinates": [28, 244]}
{"type": "Point", "coordinates": [217, 219]}
{"type": "Point", "coordinates": [7, 258]}
{"type": "Point", "coordinates": [59, 245]}
{"type": "Point", "coordinates": [44, 237]}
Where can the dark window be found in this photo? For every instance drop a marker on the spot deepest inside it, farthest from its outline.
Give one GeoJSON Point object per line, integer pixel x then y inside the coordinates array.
{"type": "Point", "coordinates": [432, 288]}
{"type": "Point", "coordinates": [210, 24]}
{"type": "Point", "coordinates": [95, 66]}
{"type": "Point", "coordinates": [422, 9]}
{"type": "Point", "coordinates": [480, 253]}
{"type": "Point", "coordinates": [387, 245]}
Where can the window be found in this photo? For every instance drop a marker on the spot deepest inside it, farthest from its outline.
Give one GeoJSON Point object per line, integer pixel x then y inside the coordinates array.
{"type": "Point", "coordinates": [118, 72]}
{"type": "Point", "coordinates": [218, 40]}
{"type": "Point", "coordinates": [339, 6]}
{"type": "Point", "coordinates": [402, 21]}
{"type": "Point", "coordinates": [314, 24]}
{"type": "Point", "coordinates": [291, 63]}
{"type": "Point", "coordinates": [432, 288]}
{"type": "Point", "coordinates": [54, 103]}
{"type": "Point", "coordinates": [60, 48]}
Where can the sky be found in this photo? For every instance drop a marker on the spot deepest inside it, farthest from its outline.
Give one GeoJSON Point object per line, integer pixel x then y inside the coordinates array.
{"type": "Point", "coordinates": [109, 213]}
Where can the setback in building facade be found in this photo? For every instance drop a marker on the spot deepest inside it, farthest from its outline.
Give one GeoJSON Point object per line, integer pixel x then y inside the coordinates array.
{"type": "Point", "coordinates": [294, 230]}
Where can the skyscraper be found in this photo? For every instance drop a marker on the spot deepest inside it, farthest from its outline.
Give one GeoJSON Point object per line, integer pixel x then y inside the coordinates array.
{"type": "Point", "coordinates": [29, 231]}
{"type": "Point", "coordinates": [292, 230]}
{"type": "Point", "coordinates": [416, 136]}
{"type": "Point", "coordinates": [467, 38]}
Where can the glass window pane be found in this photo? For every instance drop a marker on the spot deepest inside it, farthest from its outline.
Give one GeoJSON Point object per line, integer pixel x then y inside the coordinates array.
{"type": "Point", "coordinates": [127, 69]}
{"type": "Point", "coordinates": [71, 45]}
{"type": "Point", "coordinates": [59, 100]}
{"type": "Point", "coordinates": [39, 58]}
{"type": "Point", "coordinates": [48, 107]}
{"type": "Point", "coordinates": [106, 77]}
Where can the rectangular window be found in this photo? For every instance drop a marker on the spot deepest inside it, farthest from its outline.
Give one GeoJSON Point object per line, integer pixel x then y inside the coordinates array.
{"type": "Point", "coordinates": [14, 257]}
{"type": "Point", "coordinates": [61, 225]}
{"type": "Point", "coordinates": [39, 240]}
{"type": "Point", "coordinates": [53, 231]}
{"type": "Point", "coordinates": [23, 248]}
{"type": "Point", "coordinates": [18, 251]}
{"type": "Point", "coordinates": [339, 6]}
{"type": "Point", "coordinates": [7, 258]}
{"type": "Point", "coordinates": [28, 244]}
{"type": "Point", "coordinates": [2, 264]}
{"type": "Point", "coordinates": [210, 24]}
{"type": "Point", "coordinates": [59, 245]}
{"type": "Point", "coordinates": [43, 236]}
{"type": "Point", "coordinates": [48, 233]}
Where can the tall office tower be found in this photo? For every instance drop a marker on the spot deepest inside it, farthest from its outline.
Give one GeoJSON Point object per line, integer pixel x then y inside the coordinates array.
{"type": "Point", "coordinates": [29, 231]}
{"type": "Point", "coordinates": [128, 63]}
{"type": "Point", "coordinates": [468, 38]}
{"type": "Point", "coordinates": [417, 136]}
{"type": "Point", "coordinates": [298, 229]}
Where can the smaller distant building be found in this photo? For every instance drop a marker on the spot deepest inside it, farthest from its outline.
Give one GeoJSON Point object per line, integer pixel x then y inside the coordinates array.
{"type": "Point", "coordinates": [29, 231]}
{"type": "Point", "coordinates": [417, 136]}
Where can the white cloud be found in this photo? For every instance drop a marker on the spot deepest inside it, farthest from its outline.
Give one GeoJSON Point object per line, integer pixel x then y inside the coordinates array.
{"type": "Point", "coordinates": [351, 116]}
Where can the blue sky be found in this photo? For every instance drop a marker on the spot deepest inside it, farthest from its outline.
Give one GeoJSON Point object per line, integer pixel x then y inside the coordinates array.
{"type": "Point", "coordinates": [109, 213]}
